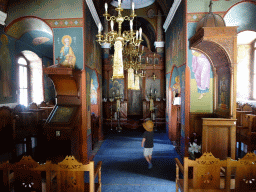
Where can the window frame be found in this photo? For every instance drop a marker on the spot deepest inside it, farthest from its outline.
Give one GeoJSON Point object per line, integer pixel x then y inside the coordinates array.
{"type": "Point", "coordinates": [28, 78]}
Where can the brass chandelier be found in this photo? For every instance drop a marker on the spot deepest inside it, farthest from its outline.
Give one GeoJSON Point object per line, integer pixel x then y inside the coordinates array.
{"type": "Point", "coordinates": [119, 39]}
{"type": "Point", "coordinates": [132, 63]}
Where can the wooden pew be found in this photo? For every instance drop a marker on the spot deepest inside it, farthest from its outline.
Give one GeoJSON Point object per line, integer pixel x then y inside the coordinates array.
{"type": "Point", "coordinates": [242, 125]}
{"type": "Point", "coordinates": [203, 174]}
{"type": "Point", "coordinates": [4, 172]}
{"type": "Point", "coordinates": [7, 130]}
{"type": "Point", "coordinates": [208, 173]}
{"type": "Point", "coordinates": [24, 175]}
{"type": "Point", "coordinates": [245, 173]}
{"type": "Point", "coordinates": [248, 135]}
{"type": "Point", "coordinates": [68, 175]}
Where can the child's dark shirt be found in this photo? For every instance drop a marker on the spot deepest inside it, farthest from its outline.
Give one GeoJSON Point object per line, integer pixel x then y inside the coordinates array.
{"type": "Point", "coordinates": [149, 139]}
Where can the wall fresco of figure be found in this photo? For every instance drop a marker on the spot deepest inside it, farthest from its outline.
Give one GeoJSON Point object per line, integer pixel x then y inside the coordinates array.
{"type": "Point", "coordinates": [5, 62]}
{"type": "Point", "coordinates": [67, 56]}
{"type": "Point", "coordinates": [68, 49]}
{"type": "Point", "coordinates": [201, 83]}
{"type": "Point", "coordinates": [201, 68]}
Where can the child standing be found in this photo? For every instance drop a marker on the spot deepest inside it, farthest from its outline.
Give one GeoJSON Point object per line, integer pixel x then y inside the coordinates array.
{"type": "Point", "coordinates": [147, 141]}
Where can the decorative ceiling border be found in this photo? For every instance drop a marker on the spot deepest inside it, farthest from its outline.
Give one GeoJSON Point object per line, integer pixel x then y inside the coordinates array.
{"type": "Point", "coordinates": [171, 14]}
{"type": "Point", "coordinates": [195, 17]}
{"type": "Point", "coordinates": [56, 23]}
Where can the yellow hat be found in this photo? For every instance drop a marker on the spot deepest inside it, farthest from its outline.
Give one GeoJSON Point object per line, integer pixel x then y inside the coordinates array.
{"type": "Point", "coordinates": [148, 125]}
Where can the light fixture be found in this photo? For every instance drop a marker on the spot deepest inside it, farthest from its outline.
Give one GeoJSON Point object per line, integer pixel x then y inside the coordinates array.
{"type": "Point", "coordinates": [117, 38]}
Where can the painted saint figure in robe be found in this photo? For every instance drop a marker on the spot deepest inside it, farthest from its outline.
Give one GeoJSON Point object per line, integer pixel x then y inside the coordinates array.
{"type": "Point", "coordinates": [201, 68]}
{"type": "Point", "coordinates": [5, 62]}
{"type": "Point", "coordinates": [93, 93]}
{"type": "Point", "coordinates": [67, 56]}
{"type": "Point", "coordinates": [176, 87]}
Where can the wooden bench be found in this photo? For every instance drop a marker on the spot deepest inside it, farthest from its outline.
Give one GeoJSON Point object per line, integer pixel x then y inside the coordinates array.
{"type": "Point", "coordinates": [208, 173]}
{"type": "Point", "coordinates": [247, 135]}
{"type": "Point", "coordinates": [242, 173]}
{"type": "Point", "coordinates": [203, 174]}
{"type": "Point", "coordinates": [68, 175]}
{"type": "Point", "coordinates": [7, 130]}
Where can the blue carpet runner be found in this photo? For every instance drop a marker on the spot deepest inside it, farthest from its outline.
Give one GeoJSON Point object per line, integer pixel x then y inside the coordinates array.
{"type": "Point", "coordinates": [125, 169]}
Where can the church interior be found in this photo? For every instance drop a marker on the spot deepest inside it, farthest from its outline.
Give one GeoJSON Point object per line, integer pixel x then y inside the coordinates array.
{"type": "Point", "coordinates": [79, 78]}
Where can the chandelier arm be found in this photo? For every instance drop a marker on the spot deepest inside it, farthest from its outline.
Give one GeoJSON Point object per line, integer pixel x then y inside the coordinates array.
{"type": "Point", "coordinates": [112, 18]}
{"type": "Point", "coordinates": [127, 18]}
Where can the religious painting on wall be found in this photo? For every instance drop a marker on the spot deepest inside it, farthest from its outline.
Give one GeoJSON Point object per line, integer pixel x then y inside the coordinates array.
{"type": "Point", "coordinates": [168, 97]}
{"type": "Point", "coordinates": [175, 83]}
{"type": "Point", "coordinates": [116, 88]}
{"type": "Point", "coordinates": [156, 61]}
{"type": "Point", "coordinates": [94, 93]}
{"type": "Point", "coordinates": [143, 60]}
{"type": "Point", "coordinates": [68, 49]}
{"type": "Point", "coordinates": [223, 92]}
{"type": "Point", "coordinates": [93, 49]}
{"type": "Point", "coordinates": [6, 65]}
{"type": "Point", "coordinates": [116, 93]}
{"type": "Point", "coordinates": [153, 88]}
{"type": "Point", "coordinates": [135, 101]}
{"type": "Point", "coordinates": [88, 101]}
{"type": "Point", "coordinates": [201, 83]}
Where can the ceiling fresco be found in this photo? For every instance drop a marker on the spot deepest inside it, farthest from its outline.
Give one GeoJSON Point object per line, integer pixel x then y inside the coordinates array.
{"type": "Point", "coordinates": [34, 32]}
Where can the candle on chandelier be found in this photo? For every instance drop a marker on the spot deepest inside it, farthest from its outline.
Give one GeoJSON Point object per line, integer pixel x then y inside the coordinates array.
{"type": "Point", "coordinates": [119, 2]}
{"type": "Point", "coordinates": [112, 25]}
{"type": "Point", "coordinates": [106, 7]}
{"type": "Point", "coordinates": [140, 33]}
{"type": "Point", "coordinates": [131, 25]}
{"type": "Point", "coordinates": [137, 35]}
{"type": "Point", "coordinates": [99, 28]}
{"type": "Point", "coordinates": [133, 6]}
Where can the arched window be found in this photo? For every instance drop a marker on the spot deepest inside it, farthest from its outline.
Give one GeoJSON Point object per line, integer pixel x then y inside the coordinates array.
{"type": "Point", "coordinates": [246, 66]}
{"type": "Point", "coordinates": [23, 81]}
{"type": "Point", "coordinates": [30, 78]}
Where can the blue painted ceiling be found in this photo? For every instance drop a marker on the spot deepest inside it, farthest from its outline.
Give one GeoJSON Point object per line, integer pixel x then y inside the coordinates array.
{"type": "Point", "coordinates": [39, 40]}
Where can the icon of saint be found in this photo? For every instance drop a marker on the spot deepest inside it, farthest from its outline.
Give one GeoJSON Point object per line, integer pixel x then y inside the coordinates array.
{"type": "Point", "coordinates": [67, 56]}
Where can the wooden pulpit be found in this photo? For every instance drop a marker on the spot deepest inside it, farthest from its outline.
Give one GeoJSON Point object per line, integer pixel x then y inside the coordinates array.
{"type": "Point", "coordinates": [64, 124]}
{"type": "Point", "coordinates": [219, 137]}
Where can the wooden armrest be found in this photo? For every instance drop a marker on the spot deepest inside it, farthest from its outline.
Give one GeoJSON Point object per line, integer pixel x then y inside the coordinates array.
{"type": "Point", "coordinates": [97, 169]}
{"type": "Point", "coordinates": [179, 165]}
